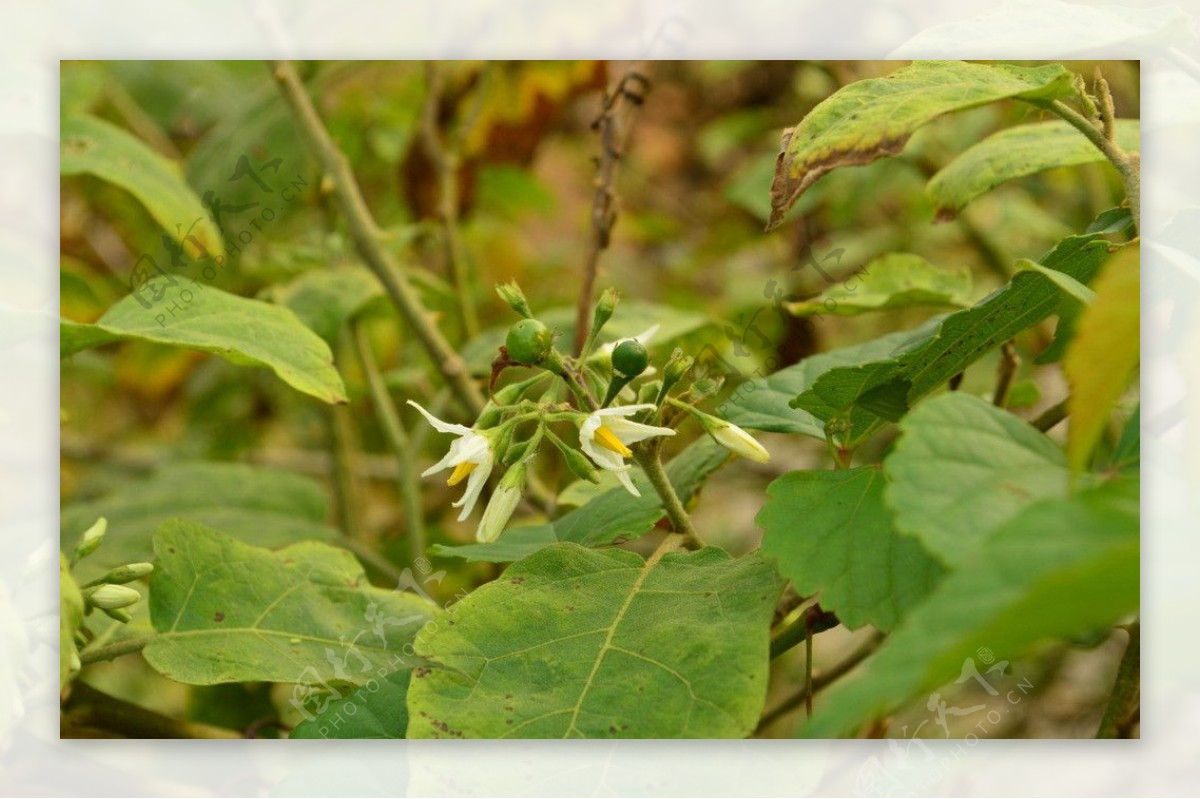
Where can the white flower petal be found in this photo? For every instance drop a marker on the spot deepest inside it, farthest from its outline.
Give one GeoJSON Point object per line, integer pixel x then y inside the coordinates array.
{"type": "Point", "coordinates": [623, 476]}
{"type": "Point", "coordinates": [475, 482]}
{"type": "Point", "coordinates": [632, 432]}
{"type": "Point", "coordinates": [737, 440]}
{"type": "Point", "coordinates": [438, 424]}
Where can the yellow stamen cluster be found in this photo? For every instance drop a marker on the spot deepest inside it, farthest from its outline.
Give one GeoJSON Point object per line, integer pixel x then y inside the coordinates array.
{"type": "Point", "coordinates": [607, 439]}
{"type": "Point", "coordinates": [460, 472]}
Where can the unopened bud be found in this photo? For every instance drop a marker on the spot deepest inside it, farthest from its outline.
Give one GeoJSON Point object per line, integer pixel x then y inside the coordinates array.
{"type": "Point", "coordinates": [511, 293]}
{"type": "Point", "coordinates": [110, 597]}
{"type": "Point", "coordinates": [90, 540]}
{"type": "Point", "coordinates": [125, 574]}
{"type": "Point", "coordinates": [604, 309]}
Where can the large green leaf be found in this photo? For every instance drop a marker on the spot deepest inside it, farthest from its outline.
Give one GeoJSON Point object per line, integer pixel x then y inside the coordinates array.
{"type": "Point", "coordinates": [95, 147]}
{"type": "Point", "coordinates": [764, 403]}
{"type": "Point", "coordinates": [874, 118]}
{"type": "Point", "coordinates": [613, 516]}
{"type": "Point", "coordinates": [324, 299]}
{"type": "Point", "coordinates": [579, 643]}
{"type": "Point", "coordinates": [1062, 567]}
{"type": "Point", "coordinates": [632, 318]}
{"type": "Point", "coordinates": [240, 330]}
{"type": "Point", "coordinates": [889, 387]}
{"type": "Point", "coordinates": [896, 280]}
{"type": "Point", "coordinates": [375, 710]}
{"type": "Point", "coordinates": [1104, 353]}
{"type": "Point", "coordinates": [962, 468]}
{"type": "Point", "coordinates": [228, 612]}
{"type": "Point", "coordinates": [1016, 152]}
{"type": "Point", "coordinates": [831, 533]}
{"type": "Point", "coordinates": [258, 505]}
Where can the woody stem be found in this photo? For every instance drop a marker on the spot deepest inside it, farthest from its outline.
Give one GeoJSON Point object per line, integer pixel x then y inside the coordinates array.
{"type": "Point", "coordinates": [648, 458]}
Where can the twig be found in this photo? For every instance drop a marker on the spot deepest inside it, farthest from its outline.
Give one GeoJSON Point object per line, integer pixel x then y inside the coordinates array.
{"type": "Point", "coordinates": [1122, 713]}
{"type": "Point", "coordinates": [342, 436]}
{"type": "Point", "coordinates": [116, 649]}
{"type": "Point", "coordinates": [366, 236]}
{"type": "Point", "coordinates": [820, 681]}
{"type": "Point", "coordinates": [613, 124]}
{"type": "Point", "coordinates": [651, 463]}
{"type": "Point", "coordinates": [89, 711]}
{"type": "Point", "coordinates": [1127, 164]}
{"type": "Point", "coordinates": [397, 438]}
{"type": "Point", "coordinates": [1051, 416]}
{"type": "Point", "coordinates": [444, 159]}
{"type": "Point", "coordinates": [1009, 363]}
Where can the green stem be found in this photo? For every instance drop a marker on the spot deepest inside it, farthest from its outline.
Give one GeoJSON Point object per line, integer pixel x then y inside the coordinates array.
{"type": "Point", "coordinates": [91, 712]}
{"type": "Point", "coordinates": [1127, 164]}
{"type": "Point", "coordinates": [398, 442]}
{"type": "Point", "coordinates": [126, 646]}
{"type": "Point", "coordinates": [342, 433]}
{"type": "Point", "coordinates": [445, 165]}
{"type": "Point", "coordinates": [1050, 417]}
{"type": "Point", "coordinates": [366, 236]}
{"type": "Point", "coordinates": [1121, 713]}
{"type": "Point", "coordinates": [648, 459]}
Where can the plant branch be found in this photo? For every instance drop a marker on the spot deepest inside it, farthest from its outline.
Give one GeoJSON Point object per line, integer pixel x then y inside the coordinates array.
{"type": "Point", "coordinates": [1121, 715]}
{"type": "Point", "coordinates": [89, 710]}
{"type": "Point", "coordinates": [126, 646]}
{"type": "Point", "coordinates": [342, 433]}
{"type": "Point", "coordinates": [613, 125]}
{"type": "Point", "coordinates": [648, 458]}
{"type": "Point", "coordinates": [820, 681]}
{"type": "Point", "coordinates": [1050, 417]}
{"type": "Point", "coordinates": [367, 236]}
{"type": "Point", "coordinates": [445, 166]}
{"type": "Point", "coordinates": [1127, 164]}
{"type": "Point", "coordinates": [398, 442]}
{"type": "Point", "coordinates": [1009, 363]}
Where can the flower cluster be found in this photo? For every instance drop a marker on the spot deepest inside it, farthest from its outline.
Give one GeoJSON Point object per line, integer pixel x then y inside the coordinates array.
{"type": "Point", "coordinates": [611, 437]}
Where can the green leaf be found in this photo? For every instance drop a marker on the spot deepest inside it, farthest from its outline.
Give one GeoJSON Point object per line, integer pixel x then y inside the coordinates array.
{"type": "Point", "coordinates": [1104, 353]}
{"type": "Point", "coordinates": [1062, 567]}
{"type": "Point", "coordinates": [1014, 153]}
{"type": "Point", "coordinates": [95, 147]}
{"type": "Point", "coordinates": [632, 318]}
{"type": "Point", "coordinates": [256, 504]}
{"type": "Point", "coordinates": [888, 387]}
{"type": "Point", "coordinates": [896, 280]}
{"type": "Point", "coordinates": [874, 118]}
{"type": "Point", "coordinates": [613, 516]}
{"type": "Point", "coordinates": [70, 619]}
{"type": "Point", "coordinates": [228, 612]}
{"type": "Point", "coordinates": [1067, 284]}
{"type": "Point", "coordinates": [242, 331]}
{"type": "Point", "coordinates": [579, 643]}
{"type": "Point", "coordinates": [831, 533]}
{"type": "Point", "coordinates": [1127, 454]}
{"type": "Point", "coordinates": [962, 468]}
{"type": "Point", "coordinates": [325, 299]}
{"type": "Point", "coordinates": [764, 403]}
{"type": "Point", "coordinates": [375, 710]}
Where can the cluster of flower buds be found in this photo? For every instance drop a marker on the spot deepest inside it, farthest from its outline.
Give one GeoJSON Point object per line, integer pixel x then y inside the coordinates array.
{"type": "Point", "coordinates": [111, 593]}
{"type": "Point", "coordinates": [595, 395]}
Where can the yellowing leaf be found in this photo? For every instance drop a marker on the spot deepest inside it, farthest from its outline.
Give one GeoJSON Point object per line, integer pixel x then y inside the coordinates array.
{"type": "Point", "coordinates": [1104, 353]}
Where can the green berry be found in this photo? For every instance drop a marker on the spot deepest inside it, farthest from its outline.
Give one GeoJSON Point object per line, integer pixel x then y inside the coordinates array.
{"type": "Point", "coordinates": [529, 342]}
{"type": "Point", "coordinates": [630, 358]}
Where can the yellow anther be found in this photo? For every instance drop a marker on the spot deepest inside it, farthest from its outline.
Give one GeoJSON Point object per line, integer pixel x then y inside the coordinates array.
{"type": "Point", "coordinates": [607, 439]}
{"type": "Point", "coordinates": [460, 472]}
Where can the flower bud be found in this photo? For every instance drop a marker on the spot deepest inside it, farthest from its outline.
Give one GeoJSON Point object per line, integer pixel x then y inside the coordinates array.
{"type": "Point", "coordinates": [529, 342]}
{"type": "Point", "coordinates": [90, 540]}
{"type": "Point", "coordinates": [604, 309]}
{"type": "Point", "coordinates": [673, 372]}
{"type": "Point", "coordinates": [117, 614]}
{"type": "Point", "coordinates": [729, 435]}
{"type": "Point", "coordinates": [110, 597]}
{"type": "Point", "coordinates": [579, 465]}
{"type": "Point", "coordinates": [511, 293]}
{"type": "Point", "coordinates": [125, 574]}
{"type": "Point", "coordinates": [502, 504]}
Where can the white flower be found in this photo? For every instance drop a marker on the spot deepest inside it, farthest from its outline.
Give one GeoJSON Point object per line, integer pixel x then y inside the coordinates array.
{"type": "Point", "coordinates": [470, 455]}
{"type": "Point", "coordinates": [502, 504]}
{"type": "Point", "coordinates": [738, 441]}
{"type": "Point", "coordinates": [606, 434]}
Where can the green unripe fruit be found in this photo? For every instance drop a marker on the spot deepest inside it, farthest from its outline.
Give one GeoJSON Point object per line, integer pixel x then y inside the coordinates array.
{"type": "Point", "coordinates": [528, 342]}
{"type": "Point", "coordinates": [630, 358]}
